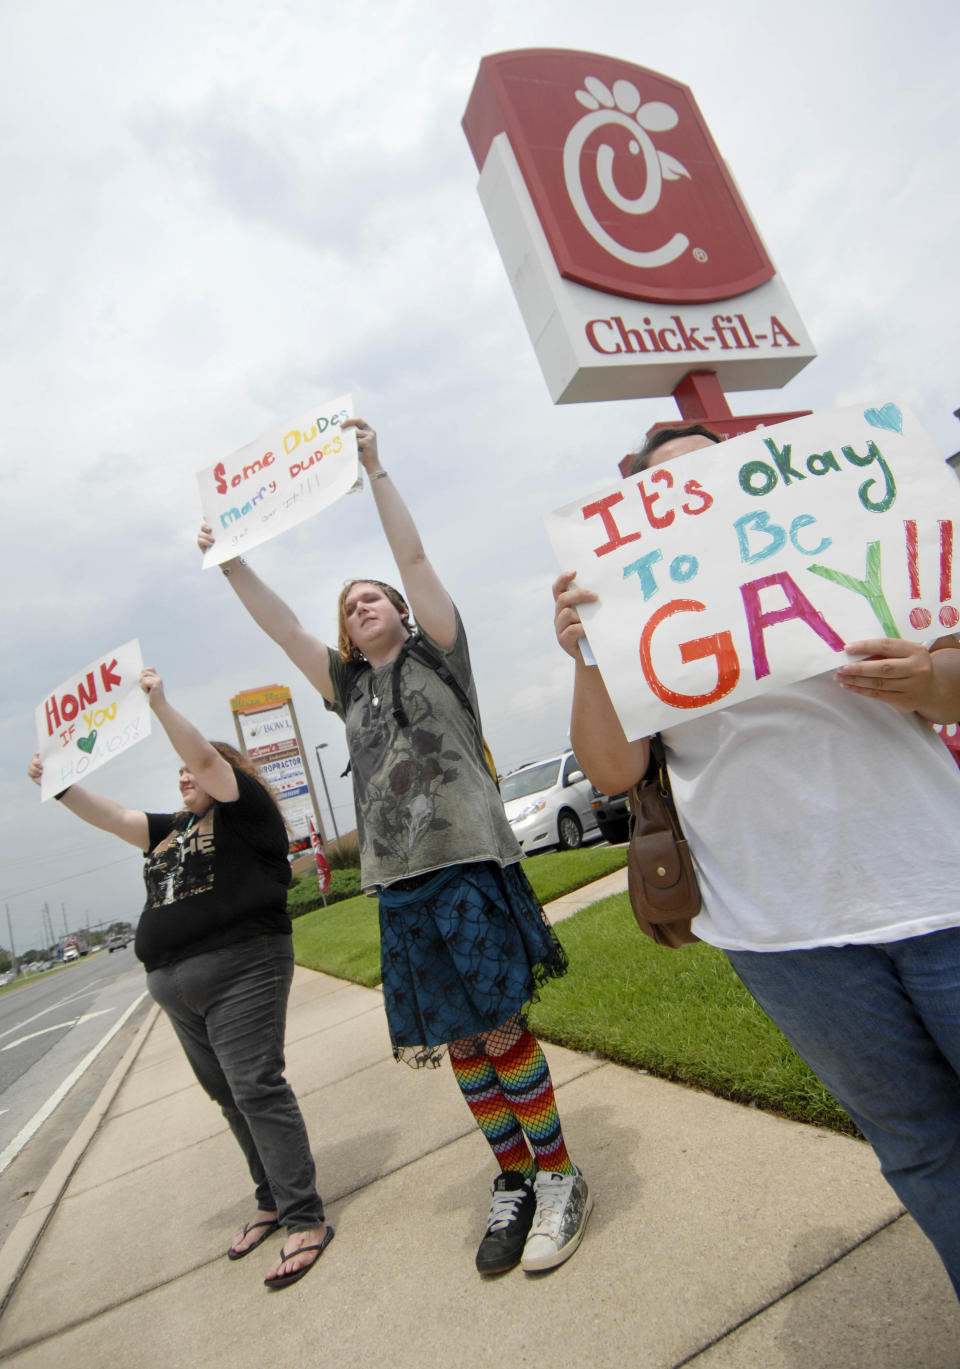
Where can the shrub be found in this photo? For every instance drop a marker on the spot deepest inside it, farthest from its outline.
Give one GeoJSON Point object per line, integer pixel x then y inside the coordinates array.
{"type": "Point", "coordinates": [343, 854]}
{"type": "Point", "coordinates": [304, 893]}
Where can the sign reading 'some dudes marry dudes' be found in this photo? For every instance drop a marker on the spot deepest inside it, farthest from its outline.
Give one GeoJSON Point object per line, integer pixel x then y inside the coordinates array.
{"type": "Point", "coordinates": [291, 472]}
{"type": "Point", "coordinates": [632, 255]}
{"type": "Point", "coordinates": [739, 568]}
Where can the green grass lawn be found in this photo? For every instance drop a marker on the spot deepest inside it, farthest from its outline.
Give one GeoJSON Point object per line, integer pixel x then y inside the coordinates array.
{"type": "Point", "coordinates": [344, 938]}
{"type": "Point", "coordinates": [682, 1015]}
{"type": "Point", "coordinates": [19, 982]}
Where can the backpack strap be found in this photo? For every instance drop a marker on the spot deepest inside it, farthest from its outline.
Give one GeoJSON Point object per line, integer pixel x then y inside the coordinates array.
{"type": "Point", "coordinates": [421, 651]}
{"type": "Point", "coordinates": [416, 647]}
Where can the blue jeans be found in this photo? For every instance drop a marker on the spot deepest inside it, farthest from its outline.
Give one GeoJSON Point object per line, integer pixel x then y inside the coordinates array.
{"type": "Point", "coordinates": [229, 1009]}
{"type": "Point", "coordinates": [880, 1025]}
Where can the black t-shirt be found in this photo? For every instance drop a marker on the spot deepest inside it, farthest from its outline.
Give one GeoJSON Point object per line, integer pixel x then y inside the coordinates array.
{"type": "Point", "coordinates": [215, 881]}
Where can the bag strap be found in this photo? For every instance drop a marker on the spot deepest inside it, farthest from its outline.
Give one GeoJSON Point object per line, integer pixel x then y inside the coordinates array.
{"type": "Point", "coordinates": [658, 772]}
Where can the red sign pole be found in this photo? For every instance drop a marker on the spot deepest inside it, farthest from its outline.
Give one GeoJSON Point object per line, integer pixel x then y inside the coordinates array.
{"type": "Point", "coordinates": [323, 869]}
{"type": "Point", "coordinates": [700, 399]}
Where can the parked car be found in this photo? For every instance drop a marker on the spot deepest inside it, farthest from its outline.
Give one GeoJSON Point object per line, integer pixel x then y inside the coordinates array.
{"type": "Point", "coordinates": [612, 812]}
{"type": "Point", "coordinates": [548, 804]}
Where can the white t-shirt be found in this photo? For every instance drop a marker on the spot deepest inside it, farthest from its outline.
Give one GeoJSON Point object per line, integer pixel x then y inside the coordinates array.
{"type": "Point", "coordinates": [817, 818]}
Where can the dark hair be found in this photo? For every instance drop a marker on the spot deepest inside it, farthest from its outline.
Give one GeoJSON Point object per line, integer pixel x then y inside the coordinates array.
{"type": "Point", "coordinates": [348, 652]}
{"type": "Point", "coordinates": [663, 435]}
{"type": "Point", "coordinates": [241, 762]}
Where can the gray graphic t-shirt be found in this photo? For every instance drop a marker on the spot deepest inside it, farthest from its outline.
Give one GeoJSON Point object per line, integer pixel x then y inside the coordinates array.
{"type": "Point", "coordinates": [423, 794]}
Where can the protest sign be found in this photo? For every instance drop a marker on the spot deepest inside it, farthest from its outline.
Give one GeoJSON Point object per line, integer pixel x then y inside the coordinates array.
{"type": "Point", "coordinates": [93, 716]}
{"type": "Point", "coordinates": [284, 477]}
{"type": "Point", "coordinates": [742, 567]}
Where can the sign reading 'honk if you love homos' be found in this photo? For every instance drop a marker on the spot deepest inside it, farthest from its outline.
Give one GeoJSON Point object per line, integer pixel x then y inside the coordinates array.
{"type": "Point", "coordinates": [93, 716]}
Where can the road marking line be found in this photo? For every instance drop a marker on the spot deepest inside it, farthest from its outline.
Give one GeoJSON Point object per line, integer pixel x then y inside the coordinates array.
{"type": "Point", "coordinates": [39, 1117]}
{"type": "Point", "coordinates": [57, 1026]}
{"type": "Point", "coordinates": [78, 993]}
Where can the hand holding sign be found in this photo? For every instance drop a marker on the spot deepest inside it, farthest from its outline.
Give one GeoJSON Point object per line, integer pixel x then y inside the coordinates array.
{"type": "Point", "coordinates": [900, 673]}
{"type": "Point", "coordinates": [567, 622]}
{"type": "Point", "coordinates": [366, 444]}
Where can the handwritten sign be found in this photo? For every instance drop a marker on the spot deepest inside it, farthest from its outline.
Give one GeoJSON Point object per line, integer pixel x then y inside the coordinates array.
{"type": "Point", "coordinates": [284, 477]}
{"type": "Point", "coordinates": [741, 567]}
{"type": "Point", "coordinates": [92, 717]}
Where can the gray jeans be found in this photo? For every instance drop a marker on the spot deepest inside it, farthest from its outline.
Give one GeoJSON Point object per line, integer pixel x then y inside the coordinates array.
{"type": "Point", "coordinates": [229, 1009]}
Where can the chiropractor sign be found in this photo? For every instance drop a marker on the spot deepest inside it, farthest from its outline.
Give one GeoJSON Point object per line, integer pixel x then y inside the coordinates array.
{"type": "Point", "coordinates": [739, 568]}
{"type": "Point", "coordinates": [632, 255]}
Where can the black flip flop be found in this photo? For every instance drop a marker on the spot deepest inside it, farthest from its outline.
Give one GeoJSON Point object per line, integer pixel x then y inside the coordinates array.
{"type": "Point", "coordinates": [272, 1226]}
{"type": "Point", "coordinates": [284, 1280]}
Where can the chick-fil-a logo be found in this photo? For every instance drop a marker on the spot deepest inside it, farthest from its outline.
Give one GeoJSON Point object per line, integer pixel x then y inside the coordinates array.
{"type": "Point", "coordinates": [622, 108]}
{"type": "Point", "coordinates": [633, 195]}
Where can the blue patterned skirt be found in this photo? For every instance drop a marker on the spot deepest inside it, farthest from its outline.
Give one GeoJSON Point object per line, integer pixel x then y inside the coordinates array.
{"type": "Point", "coordinates": [461, 952]}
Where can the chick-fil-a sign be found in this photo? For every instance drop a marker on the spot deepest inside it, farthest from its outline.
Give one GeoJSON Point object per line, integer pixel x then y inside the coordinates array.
{"type": "Point", "coordinates": [279, 480]}
{"type": "Point", "coordinates": [741, 567]}
{"type": "Point", "coordinates": [96, 713]}
{"type": "Point", "coordinates": [631, 190]}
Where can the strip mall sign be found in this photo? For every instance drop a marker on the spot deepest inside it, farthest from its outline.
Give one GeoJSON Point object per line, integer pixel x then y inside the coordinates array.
{"type": "Point", "coordinates": [632, 255]}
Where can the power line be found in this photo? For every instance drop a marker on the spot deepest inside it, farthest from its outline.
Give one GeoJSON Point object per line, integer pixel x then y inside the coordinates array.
{"type": "Point", "coordinates": [75, 874]}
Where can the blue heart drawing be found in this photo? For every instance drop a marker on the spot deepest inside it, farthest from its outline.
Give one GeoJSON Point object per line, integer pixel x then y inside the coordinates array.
{"type": "Point", "coordinates": [887, 417]}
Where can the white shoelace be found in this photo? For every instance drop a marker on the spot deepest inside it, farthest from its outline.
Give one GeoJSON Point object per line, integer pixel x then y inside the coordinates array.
{"type": "Point", "coordinates": [551, 1202]}
{"type": "Point", "coordinates": [503, 1207]}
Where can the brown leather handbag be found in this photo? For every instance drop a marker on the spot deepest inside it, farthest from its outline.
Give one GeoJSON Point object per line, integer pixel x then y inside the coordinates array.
{"type": "Point", "coordinates": [661, 879]}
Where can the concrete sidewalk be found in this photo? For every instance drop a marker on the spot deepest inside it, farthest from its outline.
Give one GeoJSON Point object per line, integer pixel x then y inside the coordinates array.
{"type": "Point", "coordinates": [721, 1237]}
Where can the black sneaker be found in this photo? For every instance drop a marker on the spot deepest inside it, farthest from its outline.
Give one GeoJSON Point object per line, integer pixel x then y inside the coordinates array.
{"type": "Point", "coordinates": [512, 1206]}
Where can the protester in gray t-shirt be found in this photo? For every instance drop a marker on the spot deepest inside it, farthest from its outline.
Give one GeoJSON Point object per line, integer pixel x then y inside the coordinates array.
{"type": "Point", "coordinates": [464, 942]}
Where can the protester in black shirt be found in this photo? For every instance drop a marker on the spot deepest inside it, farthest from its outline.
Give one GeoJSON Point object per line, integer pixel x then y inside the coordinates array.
{"type": "Point", "coordinates": [215, 939]}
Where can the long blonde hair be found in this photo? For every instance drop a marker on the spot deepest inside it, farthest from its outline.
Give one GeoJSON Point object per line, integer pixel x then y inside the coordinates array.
{"type": "Point", "coordinates": [348, 652]}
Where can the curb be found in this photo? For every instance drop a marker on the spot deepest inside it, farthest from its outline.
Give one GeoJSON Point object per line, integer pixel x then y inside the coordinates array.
{"type": "Point", "coordinates": [18, 1249]}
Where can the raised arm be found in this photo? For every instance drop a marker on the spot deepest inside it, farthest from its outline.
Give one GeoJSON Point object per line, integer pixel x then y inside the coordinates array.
{"type": "Point", "coordinates": [608, 759]}
{"type": "Point", "coordinates": [431, 604]}
{"type": "Point", "coordinates": [213, 774]}
{"type": "Point", "coordinates": [126, 823]}
{"type": "Point", "coordinates": [276, 618]}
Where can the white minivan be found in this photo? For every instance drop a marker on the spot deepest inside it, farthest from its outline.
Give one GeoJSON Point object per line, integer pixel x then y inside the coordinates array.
{"type": "Point", "coordinates": [548, 803]}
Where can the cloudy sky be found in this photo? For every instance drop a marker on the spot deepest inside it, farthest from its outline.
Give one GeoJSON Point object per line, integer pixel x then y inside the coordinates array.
{"type": "Point", "coordinates": [218, 215]}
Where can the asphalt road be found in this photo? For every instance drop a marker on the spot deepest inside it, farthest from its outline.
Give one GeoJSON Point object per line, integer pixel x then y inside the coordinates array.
{"type": "Point", "coordinates": [60, 1038]}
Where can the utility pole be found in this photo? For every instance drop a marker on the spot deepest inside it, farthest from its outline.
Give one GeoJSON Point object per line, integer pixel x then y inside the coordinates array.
{"type": "Point", "coordinates": [322, 746]}
{"type": "Point", "coordinates": [13, 949]}
{"type": "Point", "coordinates": [48, 926]}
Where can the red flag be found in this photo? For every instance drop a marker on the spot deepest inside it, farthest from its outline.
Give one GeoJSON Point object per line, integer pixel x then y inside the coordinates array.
{"type": "Point", "coordinates": [323, 869]}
